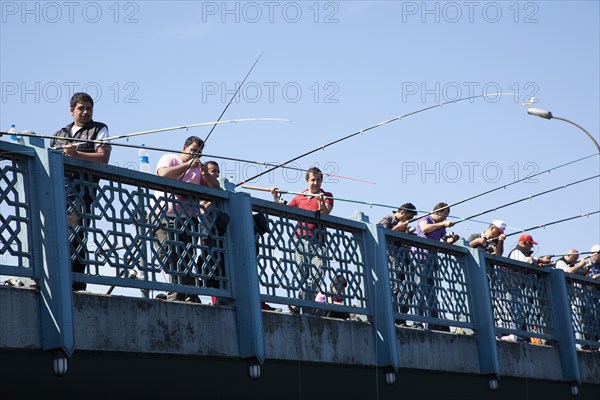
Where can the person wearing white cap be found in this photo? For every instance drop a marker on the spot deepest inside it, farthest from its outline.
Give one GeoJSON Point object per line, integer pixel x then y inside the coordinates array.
{"type": "Point", "coordinates": [492, 240]}
{"type": "Point", "coordinates": [594, 263]}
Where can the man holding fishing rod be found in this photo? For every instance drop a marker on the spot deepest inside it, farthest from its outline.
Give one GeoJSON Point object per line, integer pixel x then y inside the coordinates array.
{"type": "Point", "coordinates": [433, 226]}
{"type": "Point", "coordinates": [312, 250]}
{"type": "Point", "coordinates": [82, 127]}
{"type": "Point", "coordinates": [179, 216]}
{"type": "Point", "coordinates": [492, 240]}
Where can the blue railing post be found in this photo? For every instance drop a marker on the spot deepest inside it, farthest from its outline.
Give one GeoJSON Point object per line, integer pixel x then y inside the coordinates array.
{"type": "Point", "coordinates": [53, 267]}
{"type": "Point", "coordinates": [483, 317]}
{"type": "Point", "coordinates": [563, 326]}
{"type": "Point", "coordinates": [244, 277]}
{"type": "Point", "coordinates": [379, 294]}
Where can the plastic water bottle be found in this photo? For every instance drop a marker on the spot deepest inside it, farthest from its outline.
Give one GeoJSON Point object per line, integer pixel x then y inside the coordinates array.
{"type": "Point", "coordinates": [13, 135]}
{"type": "Point", "coordinates": [144, 159]}
{"type": "Point", "coordinates": [231, 180]}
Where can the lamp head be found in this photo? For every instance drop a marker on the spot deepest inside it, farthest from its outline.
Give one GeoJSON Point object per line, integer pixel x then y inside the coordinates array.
{"type": "Point", "coordinates": [539, 113]}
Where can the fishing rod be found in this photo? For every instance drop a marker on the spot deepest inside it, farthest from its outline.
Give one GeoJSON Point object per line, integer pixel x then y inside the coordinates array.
{"type": "Point", "coordinates": [223, 112]}
{"type": "Point", "coordinates": [264, 189]}
{"type": "Point", "coordinates": [360, 132]}
{"type": "Point", "coordinates": [527, 198]}
{"type": "Point", "coordinates": [127, 136]}
{"type": "Point", "coordinates": [512, 183]}
{"type": "Point", "coordinates": [553, 223]}
{"type": "Point", "coordinates": [233, 97]}
{"type": "Point", "coordinates": [570, 254]}
{"type": "Point", "coordinates": [267, 164]}
{"type": "Point", "coordinates": [161, 149]}
{"type": "Point", "coordinates": [190, 126]}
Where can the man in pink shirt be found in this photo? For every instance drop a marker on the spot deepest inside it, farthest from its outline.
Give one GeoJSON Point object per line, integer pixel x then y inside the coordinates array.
{"type": "Point", "coordinates": [181, 213]}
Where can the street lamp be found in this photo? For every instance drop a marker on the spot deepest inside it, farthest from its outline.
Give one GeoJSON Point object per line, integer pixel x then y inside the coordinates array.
{"type": "Point", "coordinates": [548, 115]}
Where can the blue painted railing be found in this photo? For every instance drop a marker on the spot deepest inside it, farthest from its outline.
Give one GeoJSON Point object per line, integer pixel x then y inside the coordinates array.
{"type": "Point", "coordinates": [390, 277]}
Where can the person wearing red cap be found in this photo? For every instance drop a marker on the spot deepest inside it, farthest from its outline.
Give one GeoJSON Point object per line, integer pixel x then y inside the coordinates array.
{"type": "Point", "coordinates": [492, 240]}
{"type": "Point", "coordinates": [522, 252]}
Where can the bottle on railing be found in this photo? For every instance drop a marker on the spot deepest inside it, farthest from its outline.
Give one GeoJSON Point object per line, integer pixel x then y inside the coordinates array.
{"type": "Point", "coordinates": [144, 159]}
{"type": "Point", "coordinates": [16, 139]}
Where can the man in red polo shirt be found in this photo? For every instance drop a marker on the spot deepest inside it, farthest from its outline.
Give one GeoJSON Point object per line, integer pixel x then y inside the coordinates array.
{"type": "Point", "coordinates": [311, 250]}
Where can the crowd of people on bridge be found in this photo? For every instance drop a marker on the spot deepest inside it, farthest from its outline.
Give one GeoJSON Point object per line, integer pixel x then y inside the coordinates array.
{"type": "Point", "coordinates": [85, 138]}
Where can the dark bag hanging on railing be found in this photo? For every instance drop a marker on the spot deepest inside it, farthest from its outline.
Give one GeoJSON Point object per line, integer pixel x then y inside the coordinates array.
{"type": "Point", "coordinates": [261, 224]}
{"type": "Point", "coordinates": [221, 222]}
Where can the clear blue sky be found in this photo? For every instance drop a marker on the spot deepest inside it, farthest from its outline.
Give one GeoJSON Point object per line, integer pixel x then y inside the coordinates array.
{"type": "Point", "coordinates": [334, 68]}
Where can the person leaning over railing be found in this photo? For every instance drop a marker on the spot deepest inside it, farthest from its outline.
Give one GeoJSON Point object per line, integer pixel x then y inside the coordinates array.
{"type": "Point", "coordinates": [402, 286]}
{"type": "Point", "coordinates": [433, 226]}
{"type": "Point", "coordinates": [570, 265]}
{"type": "Point", "coordinates": [523, 252]}
{"type": "Point", "coordinates": [82, 127]}
{"type": "Point", "coordinates": [312, 237]}
{"type": "Point", "coordinates": [491, 240]}
{"type": "Point", "coordinates": [593, 265]}
{"type": "Point", "coordinates": [180, 212]}
{"type": "Point", "coordinates": [220, 223]}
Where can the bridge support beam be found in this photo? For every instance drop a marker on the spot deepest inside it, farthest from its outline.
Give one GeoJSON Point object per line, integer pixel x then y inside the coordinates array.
{"type": "Point", "coordinates": [483, 317]}
{"type": "Point", "coordinates": [52, 266]}
{"type": "Point", "coordinates": [245, 283]}
{"type": "Point", "coordinates": [561, 314]}
{"type": "Point", "coordinates": [379, 295]}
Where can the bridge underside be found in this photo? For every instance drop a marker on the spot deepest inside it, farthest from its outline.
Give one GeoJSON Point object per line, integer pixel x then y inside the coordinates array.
{"type": "Point", "coordinates": [104, 375]}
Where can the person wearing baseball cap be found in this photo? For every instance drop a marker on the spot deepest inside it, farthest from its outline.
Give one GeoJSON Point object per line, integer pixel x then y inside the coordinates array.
{"type": "Point", "coordinates": [522, 252]}
{"type": "Point", "coordinates": [594, 263]}
{"type": "Point", "coordinates": [492, 240]}
{"type": "Point", "coordinates": [399, 220]}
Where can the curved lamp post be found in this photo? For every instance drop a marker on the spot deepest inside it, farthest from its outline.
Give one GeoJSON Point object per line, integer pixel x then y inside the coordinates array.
{"type": "Point", "coordinates": [548, 115]}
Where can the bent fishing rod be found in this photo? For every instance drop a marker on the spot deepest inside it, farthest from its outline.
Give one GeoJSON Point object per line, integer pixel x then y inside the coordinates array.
{"type": "Point", "coordinates": [360, 132]}
{"type": "Point", "coordinates": [515, 182]}
{"type": "Point", "coordinates": [190, 126]}
{"type": "Point", "coordinates": [127, 136]}
{"type": "Point", "coordinates": [161, 149]}
{"type": "Point", "coordinates": [553, 223]}
{"type": "Point", "coordinates": [527, 198]}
